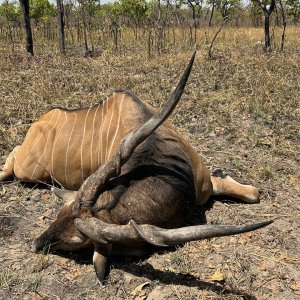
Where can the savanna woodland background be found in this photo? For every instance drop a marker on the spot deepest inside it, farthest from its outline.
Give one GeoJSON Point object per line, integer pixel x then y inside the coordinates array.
{"type": "Point", "coordinates": [240, 111]}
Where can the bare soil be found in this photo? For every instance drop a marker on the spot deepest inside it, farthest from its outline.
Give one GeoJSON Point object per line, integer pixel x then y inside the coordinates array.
{"type": "Point", "coordinates": [240, 111]}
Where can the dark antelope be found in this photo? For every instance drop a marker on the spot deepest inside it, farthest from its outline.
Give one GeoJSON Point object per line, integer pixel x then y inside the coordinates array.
{"type": "Point", "coordinates": [135, 173]}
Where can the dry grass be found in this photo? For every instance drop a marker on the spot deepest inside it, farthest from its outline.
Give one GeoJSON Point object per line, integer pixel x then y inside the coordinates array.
{"type": "Point", "coordinates": [240, 110]}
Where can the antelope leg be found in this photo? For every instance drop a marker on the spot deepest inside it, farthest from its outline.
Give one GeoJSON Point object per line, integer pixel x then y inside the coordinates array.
{"type": "Point", "coordinates": [8, 168]}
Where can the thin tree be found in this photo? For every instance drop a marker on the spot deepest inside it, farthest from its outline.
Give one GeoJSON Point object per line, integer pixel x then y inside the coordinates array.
{"type": "Point", "coordinates": [83, 14]}
{"type": "Point", "coordinates": [160, 28]}
{"type": "Point", "coordinates": [214, 38]}
{"type": "Point", "coordinates": [7, 10]}
{"type": "Point", "coordinates": [213, 3]}
{"type": "Point", "coordinates": [192, 5]}
{"type": "Point", "coordinates": [27, 26]}
{"type": "Point", "coordinates": [61, 26]}
{"type": "Point", "coordinates": [267, 7]}
{"type": "Point", "coordinates": [283, 25]}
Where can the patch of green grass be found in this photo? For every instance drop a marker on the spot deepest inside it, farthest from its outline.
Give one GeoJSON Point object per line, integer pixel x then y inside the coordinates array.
{"type": "Point", "coordinates": [9, 279]}
{"type": "Point", "coordinates": [40, 263]}
{"type": "Point", "coordinates": [34, 283]}
{"type": "Point", "coordinates": [180, 262]}
{"type": "Point", "coordinates": [6, 227]}
{"type": "Point", "coordinates": [267, 172]}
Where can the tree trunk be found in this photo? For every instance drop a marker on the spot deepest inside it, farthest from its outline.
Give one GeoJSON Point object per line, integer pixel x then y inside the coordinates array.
{"type": "Point", "coordinates": [195, 24]}
{"type": "Point", "coordinates": [61, 26]}
{"type": "Point", "coordinates": [193, 7]}
{"type": "Point", "coordinates": [267, 32]}
{"type": "Point", "coordinates": [114, 28]}
{"type": "Point", "coordinates": [283, 25]}
{"type": "Point", "coordinates": [267, 9]}
{"type": "Point", "coordinates": [78, 31]}
{"type": "Point", "coordinates": [25, 9]}
{"type": "Point", "coordinates": [212, 13]}
{"type": "Point", "coordinates": [160, 30]}
{"type": "Point", "coordinates": [84, 30]}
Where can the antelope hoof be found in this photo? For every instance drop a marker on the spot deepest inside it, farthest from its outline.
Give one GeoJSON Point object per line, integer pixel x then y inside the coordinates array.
{"type": "Point", "coordinates": [253, 196]}
{"type": "Point", "coordinates": [3, 176]}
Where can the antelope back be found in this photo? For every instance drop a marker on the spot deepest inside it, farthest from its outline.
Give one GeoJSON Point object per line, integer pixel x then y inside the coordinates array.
{"type": "Point", "coordinates": [68, 145]}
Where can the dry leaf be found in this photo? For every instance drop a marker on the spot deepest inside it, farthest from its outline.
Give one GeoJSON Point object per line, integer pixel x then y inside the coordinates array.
{"type": "Point", "coordinates": [219, 130]}
{"type": "Point", "coordinates": [283, 256]}
{"type": "Point", "coordinates": [45, 196]}
{"type": "Point", "coordinates": [204, 295]}
{"type": "Point", "coordinates": [266, 142]}
{"type": "Point", "coordinates": [262, 266]}
{"type": "Point", "coordinates": [295, 286]}
{"type": "Point", "coordinates": [33, 296]}
{"type": "Point", "coordinates": [294, 179]}
{"type": "Point", "coordinates": [218, 276]}
{"type": "Point", "coordinates": [273, 287]}
{"type": "Point", "coordinates": [138, 291]}
{"type": "Point", "coordinates": [232, 240]}
{"type": "Point", "coordinates": [73, 275]}
{"type": "Point", "coordinates": [3, 192]}
{"type": "Point", "coordinates": [141, 297]}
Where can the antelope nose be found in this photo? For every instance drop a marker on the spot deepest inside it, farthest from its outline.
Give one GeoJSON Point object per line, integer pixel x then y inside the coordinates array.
{"type": "Point", "coordinates": [38, 245]}
{"type": "Point", "coordinates": [41, 243]}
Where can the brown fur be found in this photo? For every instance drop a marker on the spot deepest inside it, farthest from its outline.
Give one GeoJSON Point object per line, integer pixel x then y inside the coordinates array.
{"type": "Point", "coordinates": [160, 184]}
{"type": "Point", "coordinates": [67, 146]}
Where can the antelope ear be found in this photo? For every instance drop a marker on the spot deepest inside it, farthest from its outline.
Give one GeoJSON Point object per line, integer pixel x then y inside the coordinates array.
{"type": "Point", "coordinates": [66, 195]}
{"type": "Point", "coordinates": [100, 258]}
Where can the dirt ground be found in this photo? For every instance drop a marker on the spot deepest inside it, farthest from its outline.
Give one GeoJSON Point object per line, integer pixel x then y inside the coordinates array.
{"type": "Point", "coordinates": [240, 111]}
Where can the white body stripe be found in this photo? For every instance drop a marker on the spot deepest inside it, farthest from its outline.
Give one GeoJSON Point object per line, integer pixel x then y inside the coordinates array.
{"type": "Point", "coordinates": [67, 151]}
{"type": "Point", "coordinates": [83, 136]}
{"type": "Point", "coordinates": [36, 141]}
{"type": "Point", "coordinates": [101, 130]}
{"type": "Point", "coordinates": [100, 139]}
{"type": "Point", "coordinates": [108, 131]}
{"type": "Point", "coordinates": [45, 148]}
{"type": "Point", "coordinates": [55, 141]}
{"type": "Point", "coordinates": [99, 136]}
{"type": "Point", "coordinates": [117, 128]}
{"type": "Point", "coordinates": [92, 140]}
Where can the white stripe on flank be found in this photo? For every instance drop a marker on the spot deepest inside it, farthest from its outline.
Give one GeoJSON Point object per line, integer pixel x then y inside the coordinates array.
{"type": "Point", "coordinates": [67, 151]}
{"type": "Point", "coordinates": [118, 125]}
{"type": "Point", "coordinates": [101, 130]}
{"type": "Point", "coordinates": [55, 141]}
{"type": "Point", "coordinates": [45, 147]}
{"type": "Point", "coordinates": [108, 130]}
{"type": "Point", "coordinates": [36, 141]}
{"type": "Point", "coordinates": [100, 138]}
{"type": "Point", "coordinates": [92, 140]}
{"type": "Point", "coordinates": [83, 136]}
